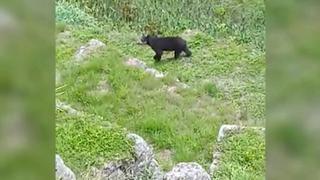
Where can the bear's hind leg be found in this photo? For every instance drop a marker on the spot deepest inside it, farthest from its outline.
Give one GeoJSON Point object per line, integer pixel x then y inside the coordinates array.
{"type": "Point", "coordinates": [177, 54]}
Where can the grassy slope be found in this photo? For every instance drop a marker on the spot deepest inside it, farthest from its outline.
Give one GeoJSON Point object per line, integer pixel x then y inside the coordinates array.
{"type": "Point", "coordinates": [187, 122]}
{"type": "Point", "coordinates": [236, 71]}
{"type": "Point", "coordinates": [226, 80]}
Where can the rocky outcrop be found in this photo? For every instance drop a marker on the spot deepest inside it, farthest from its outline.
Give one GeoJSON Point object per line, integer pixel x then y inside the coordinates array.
{"type": "Point", "coordinates": [143, 166]}
{"type": "Point", "coordinates": [62, 171]}
{"type": "Point", "coordinates": [187, 171]}
{"type": "Point", "coordinates": [85, 51]}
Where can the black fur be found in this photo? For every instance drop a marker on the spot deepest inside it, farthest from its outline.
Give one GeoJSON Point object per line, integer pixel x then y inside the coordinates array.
{"type": "Point", "coordinates": [160, 44]}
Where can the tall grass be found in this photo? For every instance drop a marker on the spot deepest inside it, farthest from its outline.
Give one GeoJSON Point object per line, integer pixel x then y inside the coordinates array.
{"type": "Point", "coordinates": [243, 19]}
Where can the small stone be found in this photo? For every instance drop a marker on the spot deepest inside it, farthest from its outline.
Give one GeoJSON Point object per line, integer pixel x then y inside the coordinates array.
{"type": "Point", "coordinates": [172, 89]}
{"type": "Point", "coordinates": [154, 72]}
{"type": "Point", "coordinates": [88, 49]}
{"type": "Point", "coordinates": [225, 128]}
{"type": "Point", "coordinates": [133, 62]}
{"type": "Point", "coordinates": [66, 107]}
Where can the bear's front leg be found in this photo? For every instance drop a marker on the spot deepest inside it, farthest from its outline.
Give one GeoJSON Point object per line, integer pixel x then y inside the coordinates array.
{"type": "Point", "coordinates": [158, 55]}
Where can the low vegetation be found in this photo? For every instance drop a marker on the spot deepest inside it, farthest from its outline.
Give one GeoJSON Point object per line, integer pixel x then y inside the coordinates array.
{"type": "Point", "coordinates": [243, 156]}
{"type": "Point", "coordinates": [87, 141]}
{"type": "Point", "coordinates": [242, 19]}
{"type": "Point", "coordinates": [225, 76]}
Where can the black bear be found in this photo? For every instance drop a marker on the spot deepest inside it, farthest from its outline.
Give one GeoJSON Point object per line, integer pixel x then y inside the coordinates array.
{"type": "Point", "coordinates": [160, 44]}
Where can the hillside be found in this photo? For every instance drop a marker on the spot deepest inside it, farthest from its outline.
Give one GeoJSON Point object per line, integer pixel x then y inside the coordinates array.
{"type": "Point", "coordinates": [103, 95]}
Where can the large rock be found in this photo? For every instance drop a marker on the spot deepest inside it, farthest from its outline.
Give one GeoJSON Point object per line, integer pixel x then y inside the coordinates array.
{"type": "Point", "coordinates": [62, 171]}
{"type": "Point", "coordinates": [88, 49]}
{"type": "Point", "coordinates": [187, 171]}
{"type": "Point", "coordinates": [143, 166]}
{"type": "Point", "coordinates": [113, 171]}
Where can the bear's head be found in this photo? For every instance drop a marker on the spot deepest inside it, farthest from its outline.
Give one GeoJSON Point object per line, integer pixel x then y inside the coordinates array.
{"type": "Point", "coordinates": [145, 39]}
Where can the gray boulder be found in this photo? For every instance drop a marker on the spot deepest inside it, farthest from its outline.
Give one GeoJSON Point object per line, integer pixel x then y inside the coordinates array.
{"type": "Point", "coordinates": [142, 166]}
{"type": "Point", "coordinates": [145, 166]}
{"type": "Point", "coordinates": [187, 171]}
{"type": "Point", "coordinates": [113, 171]}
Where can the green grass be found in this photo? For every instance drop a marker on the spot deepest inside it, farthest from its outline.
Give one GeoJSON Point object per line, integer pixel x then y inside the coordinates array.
{"type": "Point", "coordinates": [236, 72]}
{"type": "Point", "coordinates": [85, 141]}
{"type": "Point", "coordinates": [186, 123]}
{"type": "Point", "coordinates": [226, 79]}
{"type": "Point", "coordinates": [242, 19]}
{"type": "Point", "coordinates": [243, 156]}
{"type": "Point", "coordinates": [137, 102]}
